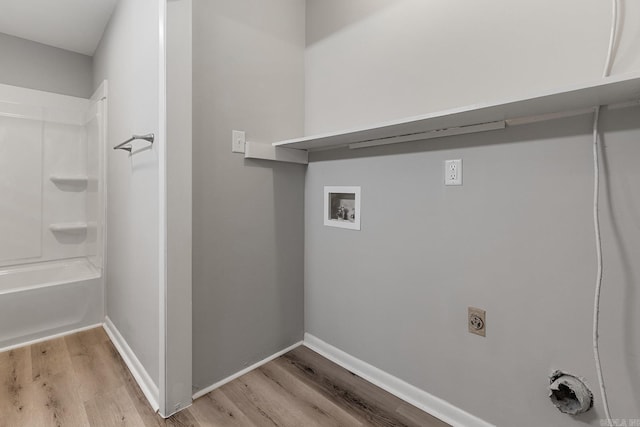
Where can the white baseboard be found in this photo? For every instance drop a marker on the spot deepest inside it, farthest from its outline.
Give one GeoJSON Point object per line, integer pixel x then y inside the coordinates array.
{"type": "Point", "coordinates": [50, 337]}
{"type": "Point", "coordinates": [148, 387]}
{"type": "Point", "coordinates": [419, 398]}
{"type": "Point", "coordinates": [244, 371]}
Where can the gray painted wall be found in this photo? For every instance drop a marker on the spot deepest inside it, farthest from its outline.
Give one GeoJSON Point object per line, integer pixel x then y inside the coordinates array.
{"type": "Point", "coordinates": [369, 61]}
{"type": "Point", "coordinates": [516, 239]}
{"type": "Point", "coordinates": [128, 57]}
{"type": "Point", "coordinates": [248, 74]}
{"type": "Point", "coordinates": [38, 66]}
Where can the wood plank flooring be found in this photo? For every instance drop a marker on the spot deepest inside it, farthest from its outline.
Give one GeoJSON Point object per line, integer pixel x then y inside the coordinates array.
{"type": "Point", "coordinates": [80, 380]}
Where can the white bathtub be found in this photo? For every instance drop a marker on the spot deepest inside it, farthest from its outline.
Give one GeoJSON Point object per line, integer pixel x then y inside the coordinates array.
{"type": "Point", "coordinates": [38, 301]}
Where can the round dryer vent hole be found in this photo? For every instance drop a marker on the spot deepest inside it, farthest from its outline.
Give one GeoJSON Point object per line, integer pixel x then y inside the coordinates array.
{"type": "Point", "coordinates": [569, 393]}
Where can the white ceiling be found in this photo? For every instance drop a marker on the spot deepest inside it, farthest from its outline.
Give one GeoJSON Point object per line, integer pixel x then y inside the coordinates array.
{"type": "Point", "coordinates": [75, 25]}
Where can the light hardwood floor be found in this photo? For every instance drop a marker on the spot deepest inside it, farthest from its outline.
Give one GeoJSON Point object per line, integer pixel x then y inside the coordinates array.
{"type": "Point", "coordinates": [80, 380]}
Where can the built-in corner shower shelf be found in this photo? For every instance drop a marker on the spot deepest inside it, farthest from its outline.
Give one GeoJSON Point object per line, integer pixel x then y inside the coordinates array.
{"type": "Point", "coordinates": [69, 180]}
{"type": "Point", "coordinates": [68, 227]}
{"type": "Point", "coordinates": [573, 100]}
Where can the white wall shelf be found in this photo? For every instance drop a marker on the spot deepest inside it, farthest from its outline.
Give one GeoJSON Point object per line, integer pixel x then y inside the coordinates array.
{"type": "Point", "coordinates": [69, 180]}
{"type": "Point", "coordinates": [572, 100]}
{"type": "Point", "coordinates": [68, 227]}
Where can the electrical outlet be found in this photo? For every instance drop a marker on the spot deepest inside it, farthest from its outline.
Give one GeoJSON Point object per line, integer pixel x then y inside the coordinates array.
{"type": "Point", "coordinates": [237, 141]}
{"type": "Point", "coordinates": [453, 172]}
{"type": "Point", "coordinates": [477, 321]}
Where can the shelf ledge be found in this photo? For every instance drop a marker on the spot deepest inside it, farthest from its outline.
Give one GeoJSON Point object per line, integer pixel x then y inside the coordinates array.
{"type": "Point", "coordinates": [69, 180]}
{"type": "Point", "coordinates": [68, 227]}
{"type": "Point", "coordinates": [550, 104]}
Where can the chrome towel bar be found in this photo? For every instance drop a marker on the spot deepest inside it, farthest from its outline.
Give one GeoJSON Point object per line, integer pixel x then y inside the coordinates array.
{"type": "Point", "coordinates": [148, 137]}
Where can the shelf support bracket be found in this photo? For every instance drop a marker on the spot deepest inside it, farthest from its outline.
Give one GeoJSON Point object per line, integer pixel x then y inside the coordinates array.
{"type": "Point", "coordinates": [255, 150]}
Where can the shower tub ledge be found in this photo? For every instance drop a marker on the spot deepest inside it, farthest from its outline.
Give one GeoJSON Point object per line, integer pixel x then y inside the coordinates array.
{"type": "Point", "coordinates": [45, 300]}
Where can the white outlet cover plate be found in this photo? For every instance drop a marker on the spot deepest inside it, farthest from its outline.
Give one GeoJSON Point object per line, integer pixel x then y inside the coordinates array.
{"type": "Point", "coordinates": [453, 172]}
{"type": "Point", "coordinates": [237, 141]}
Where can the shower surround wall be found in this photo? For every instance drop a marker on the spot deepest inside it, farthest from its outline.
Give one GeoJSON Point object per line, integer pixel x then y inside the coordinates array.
{"type": "Point", "coordinates": [50, 214]}
{"type": "Point", "coordinates": [515, 239]}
